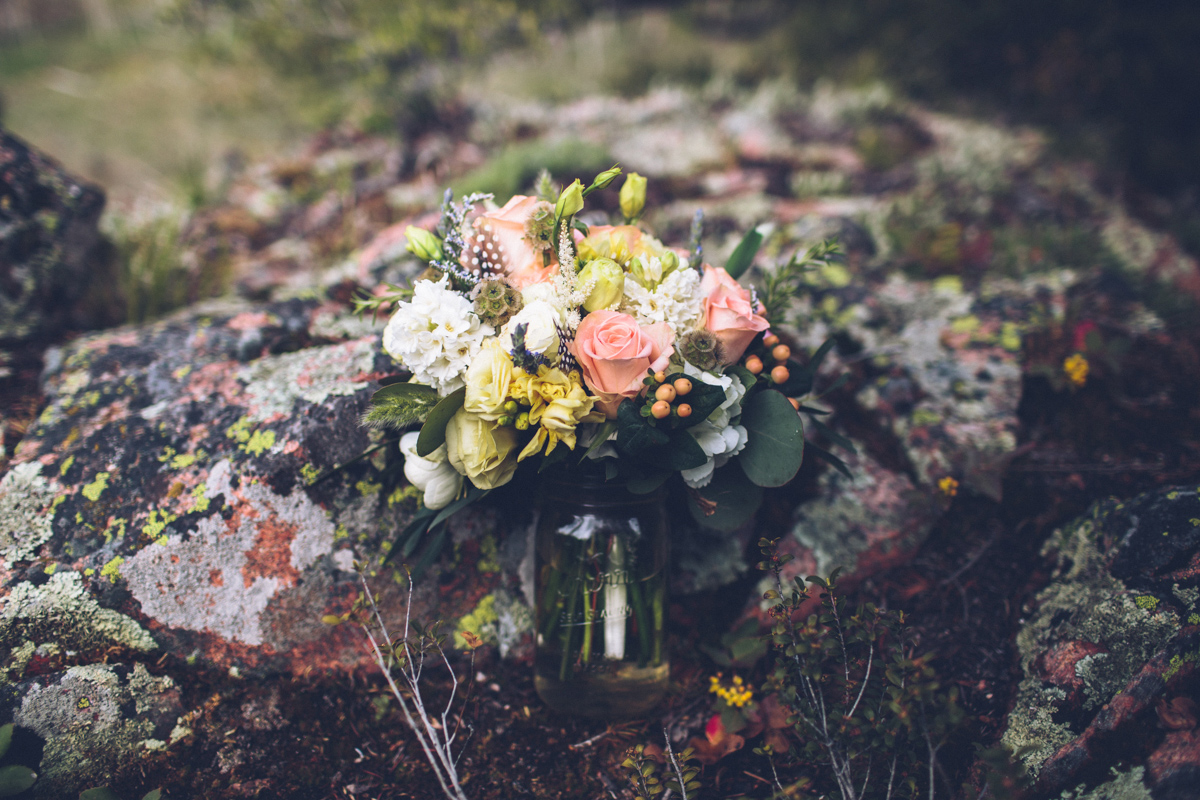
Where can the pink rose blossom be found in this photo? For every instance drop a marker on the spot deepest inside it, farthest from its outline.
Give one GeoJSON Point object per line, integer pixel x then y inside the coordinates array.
{"type": "Point", "coordinates": [728, 313]}
{"type": "Point", "coordinates": [501, 237]}
{"type": "Point", "coordinates": [615, 353]}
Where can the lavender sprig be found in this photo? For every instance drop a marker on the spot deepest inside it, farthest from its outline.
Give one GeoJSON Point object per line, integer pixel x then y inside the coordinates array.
{"type": "Point", "coordinates": [694, 244]}
{"type": "Point", "coordinates": [450, 228]}
{"type": "Point", "coordinates": [525, 359]}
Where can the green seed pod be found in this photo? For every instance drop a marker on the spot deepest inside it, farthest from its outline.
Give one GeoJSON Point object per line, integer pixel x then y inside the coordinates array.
{"type": "Point", "coordinates": [703, 349]}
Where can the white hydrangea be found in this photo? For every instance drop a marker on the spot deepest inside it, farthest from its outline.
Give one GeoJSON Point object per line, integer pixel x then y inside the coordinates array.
{"type": "Point", "coordinates": [719, 436]}
{"type": "Point", "coordinates": [675, 301]}
{"type": "Point", "coordinates": [435, 335]}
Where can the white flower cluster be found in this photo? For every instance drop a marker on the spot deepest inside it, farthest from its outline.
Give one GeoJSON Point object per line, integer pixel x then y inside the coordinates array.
{"type": "Point", "coordinates": [435, 335]}
{"type": "Point", "coordinates": [675, 301]}
{"type": "Point", "coordinates": [720, 436]}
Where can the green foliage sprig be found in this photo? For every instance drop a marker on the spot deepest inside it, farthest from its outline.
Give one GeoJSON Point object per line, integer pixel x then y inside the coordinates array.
{"type": "Point", "coordinates": [780, 287]}
{"type": "Point", "coordinates": [868, 712]}
{"type": "Point", "coordinates": [399, 405]}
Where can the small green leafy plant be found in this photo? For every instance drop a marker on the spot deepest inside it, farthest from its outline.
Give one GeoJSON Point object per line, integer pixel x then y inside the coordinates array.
{"type": "Point", "coordinates": [14, 778]}
{"type": "Point", "coordinates": [869, 713]}
{"type": "Point", "coordinates": [651, 779]}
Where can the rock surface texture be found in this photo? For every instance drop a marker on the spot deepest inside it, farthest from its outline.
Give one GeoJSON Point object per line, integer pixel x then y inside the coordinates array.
{"type": "Point", "coordinates": [1111, 651]}
{"type": "Point", "coordinates": [173, 520]}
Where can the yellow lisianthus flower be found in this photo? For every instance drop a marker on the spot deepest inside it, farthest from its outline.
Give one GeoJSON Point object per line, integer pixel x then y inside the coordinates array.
{"type": "Point", "coordinates": [488, 380]}
{"type": "Point", "coordinates": [559, 403]}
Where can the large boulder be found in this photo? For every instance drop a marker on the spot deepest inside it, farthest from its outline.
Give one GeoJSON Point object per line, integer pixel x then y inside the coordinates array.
{"type": "Point", "coordinates": [51, 251]}
{"type": "Point", "coordinates": [1110, 653]}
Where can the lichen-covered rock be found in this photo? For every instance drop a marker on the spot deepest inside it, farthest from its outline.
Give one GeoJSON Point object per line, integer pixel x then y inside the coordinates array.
{"type": "Point", "coordinates": [167, 498]}
{"type": "Point", "coordinates": [1110, 652]}
{"type": "Point", "coordinates": [96, 720]}
{"type": "Point", "coordinates": [49, 244]}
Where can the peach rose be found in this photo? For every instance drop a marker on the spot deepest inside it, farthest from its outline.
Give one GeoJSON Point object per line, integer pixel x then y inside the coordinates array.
{"type": "Point", "coordinates": [728, 313]}
{"type": "Point", "coordinates": [615, 352]}
{"type": "Point", "coordinates": [504, 237]}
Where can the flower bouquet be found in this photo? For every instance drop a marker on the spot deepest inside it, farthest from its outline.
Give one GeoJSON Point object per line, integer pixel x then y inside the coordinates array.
{"type": "Point", "coordinates": [592, 350]}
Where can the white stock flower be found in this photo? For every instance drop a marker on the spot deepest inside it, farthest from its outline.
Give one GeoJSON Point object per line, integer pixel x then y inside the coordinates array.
{"type": "Point", "coordinates": [435, 335]}
{"type": "Point", "coordinates": [676, 301]}
{"type": "Point", "coordinates": [432, 474]}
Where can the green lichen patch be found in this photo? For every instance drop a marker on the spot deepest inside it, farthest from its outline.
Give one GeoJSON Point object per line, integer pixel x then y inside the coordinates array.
{"type": "Point", "coordinates": [1122, 786]}
{"type": "Point", "coordinates": [62, 611]}
{"type": "Point", "coordinates": [481, 622]}
{"type": "Point", "coordinates": [93, 490]}
{"type": "Point", "coordinates": [25, 521]}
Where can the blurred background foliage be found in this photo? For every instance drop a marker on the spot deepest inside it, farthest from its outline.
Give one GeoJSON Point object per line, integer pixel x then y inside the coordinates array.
{"type": "Point", "coordinates": [143, 95]}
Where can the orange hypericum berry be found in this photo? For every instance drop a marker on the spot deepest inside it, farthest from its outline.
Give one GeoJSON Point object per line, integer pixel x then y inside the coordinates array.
{"type": "Point", "coordinates": [781, 352]}
{"type": "Point", "coordinates": [682, 386]}
{"type": "Point", "coordinates": [754, 364]}
{"type": "Point", "coordinates": [683, 410]}
{"type": "Point", "coordinates": [780, 374]}
{"type": "Point", "coordinates": [770, 340]}
{"type": "Point", "coordinates": [660, 376]}
{"type": "Point", "coordinates": [665, 392]}
{"type": "Point", "coordinates": [660, 409]}
{"type": "Point", "coordinates": [795, 403]}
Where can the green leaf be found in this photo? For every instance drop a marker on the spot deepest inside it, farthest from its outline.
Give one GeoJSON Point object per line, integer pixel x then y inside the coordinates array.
{"type": "Point", "coordinates": [99, 793]}
{"type": "Point", "coordinates": [6, 732]}
{"type": "Point", "coordinates": [433, 432]}
{"type": "Point", "coordinates": [417, 391]}
{"type": "Point", "coordinates": [834, 436]}
{"type": "Point", "coordinates": [736, 497]}
{"type": "Point", "coordinates": [153, 795]}
{"type": "Point", "coordinates": [399, 405]}
{"type": "Point", "coordinates": [684, 452]}
{"type": "Point", "coordinates": [744, 254]}
{"type": "Point", "coordinates": [605, 430]}
{"type": "Point", "coordinates": [15, 779]}
{"type": "Point", "coordinates": [703, 399]}
{"type": "Point", "coordinates": [473, 494]}
{"type": "Point", "coordinates": [775, 440]}
{"type": "Point", "coordinates": [636, 437]}
{"type": "Point", "coordinates": [647, 483]}
{"type": "Point", "coordinates": [432, 551]}
{"type": "Point", "coordinates": [830, 458]}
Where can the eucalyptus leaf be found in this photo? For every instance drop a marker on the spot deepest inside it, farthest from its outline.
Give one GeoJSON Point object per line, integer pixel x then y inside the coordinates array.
{"type": "Point", "coordinates": [15, 779]}
{"type": "Point", "coordinates": [775, 440]}
{"type": "Point", "coordinates": [156, 794]}
{"type": "Point", "coordinates": [433, 432]}
{"type": "Point", "coordinates": [736, 500]}
{"type": "Point", "coordinates": [743, 254]}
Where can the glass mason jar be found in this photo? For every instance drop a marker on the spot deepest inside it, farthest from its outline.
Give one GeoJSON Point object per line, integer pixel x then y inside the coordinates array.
{"type": "Point", "coordinates": [601, 584]}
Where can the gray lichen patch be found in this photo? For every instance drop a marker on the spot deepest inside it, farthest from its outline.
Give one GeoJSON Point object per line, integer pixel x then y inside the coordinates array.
{"type": "Point", "coordinates": [1122, 786]}
{"type": "Point", "coordinates": [207, 581]}
{"type": "Point", "coordinates": [274, 383]}
{"type": "Point", "coordinates": [25, 516]}
{"type": "Point", "coordinates": [84, 717]}
{"type": "Point", "coordinates": [62, 611]}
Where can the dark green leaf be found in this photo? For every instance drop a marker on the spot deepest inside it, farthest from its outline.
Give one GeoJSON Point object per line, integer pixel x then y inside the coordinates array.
{"type": "Point", "coordinates": [636, 437]}
{"type": "Point", "coordinates": [775, 440]}
{"type": "Point", "coordinates": [15, 779]}
{"type": "Point", "coordinates": [833, 436]}
{"type": "Point", "coordinates": [645, 484]}
{"type": "Point", "coordinates": [736, 497]}
{"type": "Point", "coordinates": [799, 382]}
{"type": "Point", "coordinates": [415, 391]}
{"type": "Point", "coordinates": [830, 458]}
{"type": "Point", "coordinates": [684, 452]}
{"type": "Point", "coordinates": [433, 432]}
{"type": "Point", "coordinates": [6, 732]}
{"type": "Point", "coordinates": [473, 493]}
{"type": "Point", "coordinates": [99, 793]}
{"type": "Point", "coordinates": [432, 551]}
{"type": "Point", "coordinates": [388, 380]}
{"type": "Point", "coordinates": [156, 794]}
{"type": "Point", "coordinates": [743, 254]}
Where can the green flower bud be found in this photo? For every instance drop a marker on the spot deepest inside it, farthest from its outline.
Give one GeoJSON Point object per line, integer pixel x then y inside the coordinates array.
{"type": "Point", "coordinates": [522, 423]}
{"type": "Point", "coordinates": [609, 285]}
{"type": "Point", "coordinates": [511, 407]}
{"type": "Point", "coordinates": [504, 421]}
{"type": "Point", "coordinates": [423, 244]}
{"type": "Point", "coordinates": [570, 202]}
{"type": "Point", "coordinates": [633, 196]}
{"type": "Point", "coordinates": [605, 178]}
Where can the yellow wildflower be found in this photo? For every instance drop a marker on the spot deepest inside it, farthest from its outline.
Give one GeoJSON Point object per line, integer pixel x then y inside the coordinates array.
{"type": "Point", "coordinates": [1076, 368]}
{"type": "Point", "coordinates": [737, 695]}
{"type": "Point", "coordinates": [949, 486]}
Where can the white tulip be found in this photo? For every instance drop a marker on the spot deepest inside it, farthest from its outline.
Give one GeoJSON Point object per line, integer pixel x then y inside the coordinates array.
{"type": "Point", "coordinates": [432, 474]}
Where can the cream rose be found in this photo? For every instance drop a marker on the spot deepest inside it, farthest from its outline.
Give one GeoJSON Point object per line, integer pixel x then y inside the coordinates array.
{"type": "Point", "coordinates": [481, 449]}
{"type": "Point", "coordinates": [488, 379]}
{"type": "Point", "coordinates": [541, 335]}
{"type": "Point", "coordinates": [728, 313]}
{"type": "Point", "coordinates": [432, 474]}
{"type": "Point", "coordinates": [615, 353]}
